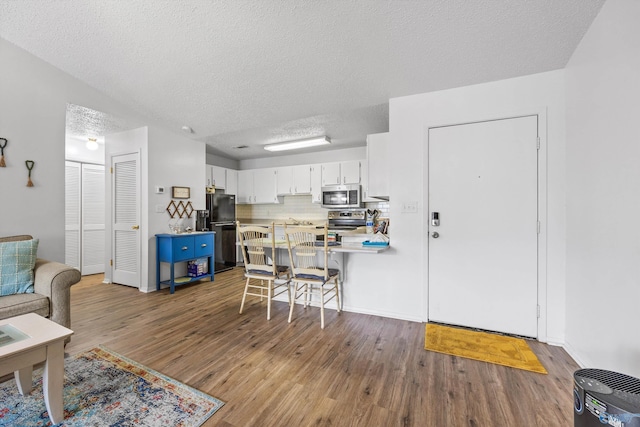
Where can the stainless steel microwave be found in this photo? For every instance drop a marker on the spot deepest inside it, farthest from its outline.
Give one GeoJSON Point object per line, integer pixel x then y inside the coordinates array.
{"type": "Point", "coordinates": [341, 196]}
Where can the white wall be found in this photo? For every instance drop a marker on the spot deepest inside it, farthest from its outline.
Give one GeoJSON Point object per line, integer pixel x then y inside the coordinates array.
{"type": "Point", "coordinates": [603, 195]}
{"type": "Point", "coordinates": [409, 118]}
{"type": "Point", "coordinates": [173, 161]}
{"type": "Point", "coordinates": [32, 117]}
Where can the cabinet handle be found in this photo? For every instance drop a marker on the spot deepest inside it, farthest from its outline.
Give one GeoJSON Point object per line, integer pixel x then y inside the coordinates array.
{"type": "Point", "coordinates": [135, 227]}
{"type": "Point", "coordinates": [204, 245]}
{"type": "Point", "coordinates": [184, 248]}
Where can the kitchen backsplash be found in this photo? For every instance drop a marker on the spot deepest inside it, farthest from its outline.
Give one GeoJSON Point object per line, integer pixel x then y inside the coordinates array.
{"type": "Point", "coordinates": [298, 207]}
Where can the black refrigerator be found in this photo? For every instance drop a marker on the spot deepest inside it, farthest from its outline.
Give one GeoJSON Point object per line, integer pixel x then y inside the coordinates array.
{"type": "Point", "coordinates": [222, 214]}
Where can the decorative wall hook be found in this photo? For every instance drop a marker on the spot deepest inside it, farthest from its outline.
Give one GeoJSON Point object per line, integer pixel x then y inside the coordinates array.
{"type": "Point", "coordinates": [3, 144]}
{"type": "Point", "coordinates": [30, 164]}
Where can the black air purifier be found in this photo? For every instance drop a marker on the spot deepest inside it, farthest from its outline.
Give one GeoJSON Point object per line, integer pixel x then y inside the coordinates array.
{"type": "Point", "coordinates": [605, 398]}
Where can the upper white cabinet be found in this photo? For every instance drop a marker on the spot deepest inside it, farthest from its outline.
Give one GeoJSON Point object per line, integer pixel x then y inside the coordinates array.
{"type": "Point", "coordinates": [378, 172]}
{"type": "Point", "coordinates": [302, 179]}
{"type": "Point", "coordinates": [284, 180]}
{"type": "Point", "coordinates": [331, 174]}
{"type": "Point", "coordinates": [222, 178]}
{"type": "Point", "coordinates": [232, 182]}
{"type": "Point", "coordinates": [293, 180]}
{"type": "Point", "coordinates": [350, 172]}
{"type": "Point", "coordinates": [264, 186]}
{"type": "Point", "coordinates": [245, 187]}
{"type": "Point", "coordinates": [341, 173]}
{"type": "Point", "coordinates": [216, 176]}
{"type": "Point", "coordinates": [257, 186]}
{"type": "Point", "coordinates": [316, 183]}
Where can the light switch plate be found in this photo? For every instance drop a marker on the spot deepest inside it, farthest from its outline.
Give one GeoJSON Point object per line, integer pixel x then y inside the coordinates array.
{"type": "Point", "coordinates": [159, 189]}
{"type": "Point", "coordinates": [410, 207]}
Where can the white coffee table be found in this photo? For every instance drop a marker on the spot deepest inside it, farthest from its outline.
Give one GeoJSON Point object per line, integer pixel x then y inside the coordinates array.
{"type": "Point", "coordinates": [44, 342]}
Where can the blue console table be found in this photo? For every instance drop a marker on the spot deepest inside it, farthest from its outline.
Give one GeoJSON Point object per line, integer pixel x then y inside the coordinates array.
{"type": "Point", "coordinates": [173, 248]}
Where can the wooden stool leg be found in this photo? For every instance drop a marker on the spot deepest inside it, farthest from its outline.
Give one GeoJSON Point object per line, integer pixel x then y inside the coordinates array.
{"type": "Point", "coordinates": [321, 307]}
{"type": "Point", "coordinates": [244, 294]}
{"type": "Point", "coordinates": [269, 292]}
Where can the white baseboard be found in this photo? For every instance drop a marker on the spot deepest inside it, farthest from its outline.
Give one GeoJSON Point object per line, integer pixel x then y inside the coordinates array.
{"type": "Point", "coordinates": [575, 355]}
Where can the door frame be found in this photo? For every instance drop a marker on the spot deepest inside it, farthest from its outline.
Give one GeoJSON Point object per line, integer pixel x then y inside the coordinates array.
{"type": "Point", "coordinates": [541, 112]}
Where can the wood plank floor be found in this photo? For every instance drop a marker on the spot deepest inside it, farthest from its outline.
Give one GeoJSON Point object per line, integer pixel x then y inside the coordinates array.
{"type": "Point", "coordinates": [359, 371]}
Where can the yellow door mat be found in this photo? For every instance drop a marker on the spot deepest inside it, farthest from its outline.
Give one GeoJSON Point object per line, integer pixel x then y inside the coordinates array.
{"type": "Point", "coordinates": [486, 347]}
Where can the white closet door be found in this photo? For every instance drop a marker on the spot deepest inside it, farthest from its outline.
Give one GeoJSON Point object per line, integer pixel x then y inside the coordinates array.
{"type": "Point", "coordinates": [93, 219]}
{"type": "Point", "coordinates": [126, 219]}
{"type": "Point", "coordinates": [72, 214]}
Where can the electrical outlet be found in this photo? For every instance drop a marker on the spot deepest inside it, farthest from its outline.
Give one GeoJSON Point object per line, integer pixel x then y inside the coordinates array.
{"type": "Point", "coordinates": [159, 208]}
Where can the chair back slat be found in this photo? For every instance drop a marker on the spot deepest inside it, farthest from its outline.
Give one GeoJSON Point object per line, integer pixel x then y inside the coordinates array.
{"type": "Point", "coordinates": [301, 244]}
{"type": "Point", "coordinates": [253, 241]}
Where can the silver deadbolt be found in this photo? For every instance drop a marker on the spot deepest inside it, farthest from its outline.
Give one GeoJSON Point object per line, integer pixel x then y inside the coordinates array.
{"type": "Point", "coordinates": [435, 219]}
{"type": "Point", "coordinates": [435, 235]}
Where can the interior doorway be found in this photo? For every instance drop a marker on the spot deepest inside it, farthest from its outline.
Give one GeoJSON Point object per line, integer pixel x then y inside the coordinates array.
{"type": "Point", "coordinates": [85, 178]}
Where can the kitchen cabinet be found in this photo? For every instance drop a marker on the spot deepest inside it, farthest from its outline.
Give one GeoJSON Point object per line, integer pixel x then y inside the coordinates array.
{"type": "Point", "coordinates": [377, 182]}
{"type": "Point", "coordinates": [316, 183]}
{"type": "Point", "coordinates": [331, 173]}
{"type": "Point", "coordinates": [232, 182]}
{"type": "Point", "coordinates": [174, 248]}
{"type": "Point", "coordinates": [284, 180]}
{"type": "Point", "coordinates": [302, 179]}
{"type": "Point", "coordinates": [364, 175]}
{"type": "Point", "coordinates": [264, 186]}
{"type": "Point", "coordinates": [216, 176]}
{"type": "Point", "coordinates": [245, 187]}
{"type": "Point", "coordinates": [257, 186]}
{"type": "Point", "coordinates": [341, 173]}
{"type": "Point", "coordinates": [293, 180]}
{"type": "Point", "coordinates": [350, 172]}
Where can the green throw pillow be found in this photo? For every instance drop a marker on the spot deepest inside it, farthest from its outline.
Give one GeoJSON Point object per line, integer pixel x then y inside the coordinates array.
{"type": "Point", "coordinates": [17, 260]}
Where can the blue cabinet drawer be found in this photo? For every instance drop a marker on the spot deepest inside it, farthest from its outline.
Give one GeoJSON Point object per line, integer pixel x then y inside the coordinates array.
{"type": "Point", "coordinates": [203, 245]}
{"type": "Point", "coordinates": [183, 248]}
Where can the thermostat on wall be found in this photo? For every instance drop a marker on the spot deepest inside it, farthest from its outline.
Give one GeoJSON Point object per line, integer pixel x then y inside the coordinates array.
{"type": "Point", "coordinates": [159, 190]}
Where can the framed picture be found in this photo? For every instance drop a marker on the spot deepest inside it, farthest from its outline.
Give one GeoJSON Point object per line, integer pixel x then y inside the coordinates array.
{"type": "Point", "coordinates": [180, 192]}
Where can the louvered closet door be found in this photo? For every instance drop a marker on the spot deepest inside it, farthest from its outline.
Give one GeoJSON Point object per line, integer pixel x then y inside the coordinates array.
{"type": "Point", "coordinates": [93, 219]}
{"type": "Point", "coordinates": [72, 215]}
{"type": "Point", "coordinates": [126, 219]}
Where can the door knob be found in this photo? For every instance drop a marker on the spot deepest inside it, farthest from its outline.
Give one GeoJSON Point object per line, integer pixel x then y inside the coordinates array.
{"type": "Point", "coordinates": [135, 227]}
{"type": "Point", "coordinates": [435, 235]}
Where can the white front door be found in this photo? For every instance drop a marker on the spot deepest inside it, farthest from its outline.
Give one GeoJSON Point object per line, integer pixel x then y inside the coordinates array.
{"type": "Point", "coordinates": [483, 253]}
{"type": "Point", "coordinates": [126, 219]}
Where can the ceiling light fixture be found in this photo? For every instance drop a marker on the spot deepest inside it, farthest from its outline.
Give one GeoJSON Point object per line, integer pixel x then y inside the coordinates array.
{"type": "Point", "coordinates": [92, 144]}
{"type": "Point", "coordinates": [303, 143]}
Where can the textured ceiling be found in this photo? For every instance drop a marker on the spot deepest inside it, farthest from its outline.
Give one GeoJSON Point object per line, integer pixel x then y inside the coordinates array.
{"type": "Point", "coordinates": [254, 72]}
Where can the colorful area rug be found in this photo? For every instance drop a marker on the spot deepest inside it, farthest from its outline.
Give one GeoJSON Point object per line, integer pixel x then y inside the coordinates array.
{"type": "Point", "coordinates": [486, 347]}
{"type": "Point", "coordinates": [103, 388]}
